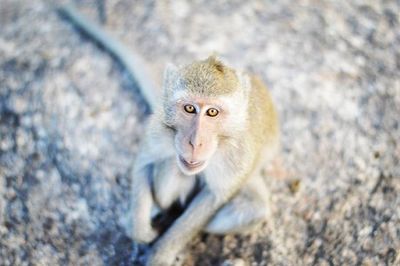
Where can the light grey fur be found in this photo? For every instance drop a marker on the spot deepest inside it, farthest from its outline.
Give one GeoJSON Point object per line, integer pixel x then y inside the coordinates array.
{"type": "Point", "coordinates": [233, 198]}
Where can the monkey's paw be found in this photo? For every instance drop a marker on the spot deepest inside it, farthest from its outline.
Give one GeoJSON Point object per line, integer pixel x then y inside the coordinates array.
{"type": "Point", "coordinates": [157, 258]}
{"type": "Point", "coordinates": [144, 235]}
{"type": "Point", "coordinates": [157, 261]}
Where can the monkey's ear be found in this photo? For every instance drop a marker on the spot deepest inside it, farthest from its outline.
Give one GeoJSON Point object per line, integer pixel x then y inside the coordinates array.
{"type": "Point", "coordinates": [171, 76]}
{"type": "Point", "coordinates": [216, 62]}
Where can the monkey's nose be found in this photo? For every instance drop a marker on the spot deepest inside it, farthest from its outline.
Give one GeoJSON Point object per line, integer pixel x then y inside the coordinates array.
{"type": "Point", "coordinates": [195, 143]}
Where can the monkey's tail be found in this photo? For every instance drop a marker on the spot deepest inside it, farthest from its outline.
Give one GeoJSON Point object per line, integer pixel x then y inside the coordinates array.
{"type": "Point", "coordinates": [129, 59]}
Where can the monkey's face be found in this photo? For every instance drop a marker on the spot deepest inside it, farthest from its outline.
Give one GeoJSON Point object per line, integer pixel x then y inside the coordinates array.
{"type": "Point", "coordinates": [197, 133]}
{"type": "Point", "coordinates": [204, 104]}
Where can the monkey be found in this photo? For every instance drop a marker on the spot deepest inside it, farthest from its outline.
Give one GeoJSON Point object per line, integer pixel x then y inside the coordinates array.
{"type": "Point", "coordinates": [204, 148]}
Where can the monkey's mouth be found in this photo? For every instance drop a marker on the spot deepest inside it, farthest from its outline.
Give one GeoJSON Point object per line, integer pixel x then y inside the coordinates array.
{"type": "Point", "coordinates": [191, 165]}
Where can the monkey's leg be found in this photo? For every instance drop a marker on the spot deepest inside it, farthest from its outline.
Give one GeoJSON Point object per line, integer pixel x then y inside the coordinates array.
{"type": "Point", "coordinates": [170, 185]}
{"type": "Point", "coordinates": [170, 191]}
{"type": "Point", "coordinates": [248, 209]}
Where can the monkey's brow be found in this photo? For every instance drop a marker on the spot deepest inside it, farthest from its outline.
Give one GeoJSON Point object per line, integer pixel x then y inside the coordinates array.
{"type": "Point", "coordinates": [201, 103]}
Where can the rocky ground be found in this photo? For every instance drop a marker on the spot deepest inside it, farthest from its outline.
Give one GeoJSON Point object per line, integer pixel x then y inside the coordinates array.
{"type": "Point", "coordinates": [71, 120]}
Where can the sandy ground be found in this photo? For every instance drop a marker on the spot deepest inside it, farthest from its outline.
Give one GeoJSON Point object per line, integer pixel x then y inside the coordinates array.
{"type": "Point", "coordinates": [71, 120]}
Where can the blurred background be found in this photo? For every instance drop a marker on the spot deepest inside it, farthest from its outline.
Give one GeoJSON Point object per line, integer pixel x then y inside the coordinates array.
{"type": "Point", "coordinates": [71, 120]}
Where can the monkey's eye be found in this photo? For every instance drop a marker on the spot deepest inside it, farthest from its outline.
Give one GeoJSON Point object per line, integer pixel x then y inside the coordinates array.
{"type": "Point", "coordinates": [190, 108]}
{"type": "Point", "coordinates": [212, 112]}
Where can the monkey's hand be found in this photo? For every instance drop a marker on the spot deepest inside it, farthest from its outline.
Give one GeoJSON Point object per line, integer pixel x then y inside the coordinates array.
{"type": "Point", "coordinates": [144, 234]}
{"type": "Point", "coordinates": [159, 259]}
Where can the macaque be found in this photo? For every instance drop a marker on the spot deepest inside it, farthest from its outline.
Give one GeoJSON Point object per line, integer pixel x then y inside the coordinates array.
{"type": "Point", "coordinates": [203, 151]}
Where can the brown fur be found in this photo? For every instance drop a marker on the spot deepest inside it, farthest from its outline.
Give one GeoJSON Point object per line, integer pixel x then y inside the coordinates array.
{"type": "Point", "coordinates": [209, 77]}
{"type": "Point", "coordinates": [262, 115]}
{"type": "Point", "coordinates": [233, 196]}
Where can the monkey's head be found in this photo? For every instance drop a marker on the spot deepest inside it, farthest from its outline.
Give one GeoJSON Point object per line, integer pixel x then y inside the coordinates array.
{"type": "Point", "coordinates": [205, 103]}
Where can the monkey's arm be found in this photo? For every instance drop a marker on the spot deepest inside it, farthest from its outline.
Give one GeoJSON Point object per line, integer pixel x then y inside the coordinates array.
{"type": "Point", "coordinates": [141, 205]}
{"type": "Point", "coordinates": [191, 222]}
{"type": "Point", "coordinates": [141, 188]}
